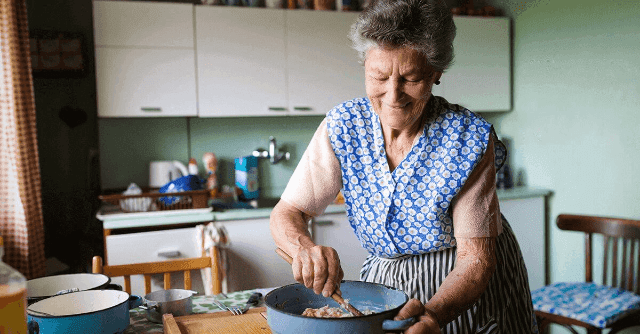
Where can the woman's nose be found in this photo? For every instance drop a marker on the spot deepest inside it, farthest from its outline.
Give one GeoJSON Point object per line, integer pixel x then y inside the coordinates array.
{"type": "Point", "coordinates": [394, 90]}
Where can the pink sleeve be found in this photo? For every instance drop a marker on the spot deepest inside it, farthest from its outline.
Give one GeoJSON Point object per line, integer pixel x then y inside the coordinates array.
{"type": "Point", "coordinates": [476, 211]}
{"type": "Point", "coordinates": [317, 179]}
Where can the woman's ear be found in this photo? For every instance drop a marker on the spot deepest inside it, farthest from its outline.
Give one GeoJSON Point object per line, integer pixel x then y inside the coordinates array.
{"type": "Point", "coordinates": [436, 77]}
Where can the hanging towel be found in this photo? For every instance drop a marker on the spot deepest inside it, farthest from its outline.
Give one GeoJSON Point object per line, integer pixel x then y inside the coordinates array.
{"type": "Point", "coordinates": [212, 240]}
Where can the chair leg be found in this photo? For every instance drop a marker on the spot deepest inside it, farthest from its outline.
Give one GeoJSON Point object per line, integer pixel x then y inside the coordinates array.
{"type": "Point", "coordinates": [543, 325]}
{"type": "Point", "coordinates": [187, 280]}
{"type": "Point", "coordinates": [571, 329]}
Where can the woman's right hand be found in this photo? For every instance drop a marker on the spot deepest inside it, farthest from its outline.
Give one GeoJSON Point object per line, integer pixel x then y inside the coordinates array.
{"type": "Point", "coordinates": [318, 268]}
{"type": "Point", "coordinates": [427, 321]}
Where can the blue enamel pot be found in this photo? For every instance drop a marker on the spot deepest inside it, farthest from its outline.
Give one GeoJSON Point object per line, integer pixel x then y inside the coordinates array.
{"type": "Point", "coordinates": [286, 304]}
{"type": "Point", "coordinates": [83, 312]}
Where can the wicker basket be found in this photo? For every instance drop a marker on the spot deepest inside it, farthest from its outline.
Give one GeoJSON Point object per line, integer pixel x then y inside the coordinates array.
{"type": "Point", "coordinates": [151, 201]}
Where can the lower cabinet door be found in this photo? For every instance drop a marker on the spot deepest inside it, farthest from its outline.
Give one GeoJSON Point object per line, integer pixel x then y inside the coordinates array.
{"type": "Point", "coordinates": [334, 230]}
{"type": "Point", "coordinates": [527, 219]}
{"type": "Point", "coordinates": [151, 247]}
{"type": "Point", "coordinates": [253, 261]}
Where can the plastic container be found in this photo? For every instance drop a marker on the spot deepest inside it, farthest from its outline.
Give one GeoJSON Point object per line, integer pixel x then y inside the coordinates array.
{"type": "Point", "coordinates": [247, 177]}
{"type": "Point", "coordinates": [13, 298]}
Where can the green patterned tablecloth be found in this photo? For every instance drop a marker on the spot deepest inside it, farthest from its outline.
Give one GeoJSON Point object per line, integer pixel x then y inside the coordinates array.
{"type": "Point", "coordinates": [201, 304]}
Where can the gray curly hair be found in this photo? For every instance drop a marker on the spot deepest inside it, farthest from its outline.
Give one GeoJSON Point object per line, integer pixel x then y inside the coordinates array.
{"type": "Point", "coordinates": [423, 25]}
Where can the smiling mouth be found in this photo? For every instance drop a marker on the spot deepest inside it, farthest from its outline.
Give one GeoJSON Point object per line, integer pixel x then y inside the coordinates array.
{"type": "Point", "coordinates": [399, 106]}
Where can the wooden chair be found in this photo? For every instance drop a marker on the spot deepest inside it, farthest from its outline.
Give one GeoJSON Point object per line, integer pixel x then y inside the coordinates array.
{"type": "Point", "coordinates": [618, 290]}
{"type": "Point", "coordinates": [162, 267]}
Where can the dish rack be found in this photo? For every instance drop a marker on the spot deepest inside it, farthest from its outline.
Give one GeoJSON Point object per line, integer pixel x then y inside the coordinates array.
{"type": "Point", "coordinates": [156, 201]}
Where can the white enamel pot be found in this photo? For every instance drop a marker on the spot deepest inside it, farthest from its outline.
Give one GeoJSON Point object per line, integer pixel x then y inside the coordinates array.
{"type": "Point", "coordinates": [83, 312]}
{"type": "Point", "coordinates": [45, 287]}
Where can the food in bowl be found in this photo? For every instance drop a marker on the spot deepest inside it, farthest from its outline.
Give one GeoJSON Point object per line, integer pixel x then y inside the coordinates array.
{"type": "Point", "coordinates": [330, 312]}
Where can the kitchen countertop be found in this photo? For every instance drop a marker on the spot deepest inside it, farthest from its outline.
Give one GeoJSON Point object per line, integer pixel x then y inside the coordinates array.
{"type": "Point", "coordinates": [113, 219]}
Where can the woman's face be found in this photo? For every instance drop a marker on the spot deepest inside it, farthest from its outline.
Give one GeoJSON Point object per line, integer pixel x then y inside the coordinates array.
{"type": "Point", "coordinates": [398, 83]}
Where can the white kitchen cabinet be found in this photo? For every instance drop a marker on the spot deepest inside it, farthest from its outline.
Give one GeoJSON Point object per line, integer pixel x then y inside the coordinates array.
{"type": "Point", "coordinates": [322, 68]}
{"type": "Point", "coordinates": [480, 77]}
{"type": "Point", "coordinates": [253, 262]}
{"type": "Point", "coordinates": [269, 62]}
{"type": "Point", "coordinates": [145, 59]}
{"type": "Point", "coordinates": [527, 216]}
{"type": "Point", "coordinates": [264, 62]}
{"type": "Point", "coordinates": [334, 230]}
{"type": "Point", "coordinates": [143, 24]}
{"type": "Point", "coordinates": [241, 61]}
{"type": "Point", "coordinates": [151, 247]}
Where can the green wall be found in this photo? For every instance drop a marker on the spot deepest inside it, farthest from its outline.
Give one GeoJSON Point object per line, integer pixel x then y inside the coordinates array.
{"type": "Point", "coordinates": [575, 122]}
{"type": "Point", "coordinates": [128, 145]}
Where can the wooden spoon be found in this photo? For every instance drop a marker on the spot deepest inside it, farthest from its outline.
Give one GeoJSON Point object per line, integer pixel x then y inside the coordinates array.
{"type": "Point", "coordinates": [335, 296]}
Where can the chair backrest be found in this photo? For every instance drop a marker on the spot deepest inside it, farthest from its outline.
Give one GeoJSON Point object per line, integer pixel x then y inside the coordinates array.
{"type": "Point", "coordinates": [615, 232]}
{"type": "Point", "coordinates": [149, 268]}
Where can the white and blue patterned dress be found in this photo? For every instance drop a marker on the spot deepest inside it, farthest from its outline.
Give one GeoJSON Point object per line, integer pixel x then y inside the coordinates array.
{"type": "Point", "coordinates": [402, 217]}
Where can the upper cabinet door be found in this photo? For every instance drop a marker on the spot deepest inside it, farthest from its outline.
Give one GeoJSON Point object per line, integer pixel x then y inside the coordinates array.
{"type": "Point", "coordinates": [480, 78]}
{"type": "Point", "coordinates": [152, 24]}
{"type": "Point", "coordinates": [323, 69]}
{"type": "Point", "coordinates": [241, 61]}
{"type": "Point", "coordinates": [145, 82]}
{"type": "Point", "coordinates": [145, 59]}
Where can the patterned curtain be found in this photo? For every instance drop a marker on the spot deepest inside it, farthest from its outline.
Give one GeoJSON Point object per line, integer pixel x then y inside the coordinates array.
{"type": "Point", "coordinates": [21, 224]}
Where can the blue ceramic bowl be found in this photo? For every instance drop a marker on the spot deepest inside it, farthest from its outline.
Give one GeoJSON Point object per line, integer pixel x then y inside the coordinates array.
{"type": "Point", "coordinates": [286, 304]}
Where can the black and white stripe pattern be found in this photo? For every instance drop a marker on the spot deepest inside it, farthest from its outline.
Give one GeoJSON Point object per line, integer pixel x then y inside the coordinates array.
{"type": "Point", "coordinates": [505, 307]}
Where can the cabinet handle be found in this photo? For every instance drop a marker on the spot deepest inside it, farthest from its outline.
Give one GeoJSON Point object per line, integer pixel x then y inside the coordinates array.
{"type": "Point", "coordinates": [323, 222]}
{"type": "Point", "coordinates": [305, 109]}
{"type": "Point", "coordinates": [151, 109]}
{"type": "Point", "coordinates": [278, 109]}
{"type": "Point", "coordinates": [169, 254]}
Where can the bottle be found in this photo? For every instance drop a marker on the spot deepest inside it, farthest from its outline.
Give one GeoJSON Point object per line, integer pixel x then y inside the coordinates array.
{"type": "Point", "coordinates": [13, 299]}
{"type": "Point", "coordinates": [193, 167]}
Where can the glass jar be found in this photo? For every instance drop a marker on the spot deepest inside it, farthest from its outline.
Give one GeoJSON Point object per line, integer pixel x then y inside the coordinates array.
{"type": "Point", "coordinates": [13, 298]}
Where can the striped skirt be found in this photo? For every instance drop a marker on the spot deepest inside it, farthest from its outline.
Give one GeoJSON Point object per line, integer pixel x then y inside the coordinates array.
{"type": "Point", "coordinates": [505, 307]}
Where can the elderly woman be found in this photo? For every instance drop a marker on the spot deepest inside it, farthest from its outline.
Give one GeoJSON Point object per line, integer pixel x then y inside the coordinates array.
{"type": "Point", "coordinates": [418, 177]}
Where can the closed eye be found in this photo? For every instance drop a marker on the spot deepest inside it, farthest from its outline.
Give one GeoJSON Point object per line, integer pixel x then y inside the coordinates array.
{"type": "Point", "coordinates": [379, 78]}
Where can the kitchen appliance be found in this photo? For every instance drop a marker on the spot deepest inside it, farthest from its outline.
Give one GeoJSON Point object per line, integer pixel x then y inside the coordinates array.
{"type": "Point", "coordinates": [163, 172]}
{"type": "Point", "coordinates": [286, 304]}
{"type": "Point", "coordinates": [175, 301]}
{"type": "Point", "coordinates": [83, 312]}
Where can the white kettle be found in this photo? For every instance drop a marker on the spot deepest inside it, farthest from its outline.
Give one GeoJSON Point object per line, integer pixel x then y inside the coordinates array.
{"type": "Point", "coordinates": [163, 172]}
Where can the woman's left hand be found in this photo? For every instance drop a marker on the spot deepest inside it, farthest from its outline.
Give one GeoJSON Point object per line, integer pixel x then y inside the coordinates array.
{"type": "Point", "coordinates": [426, 324]}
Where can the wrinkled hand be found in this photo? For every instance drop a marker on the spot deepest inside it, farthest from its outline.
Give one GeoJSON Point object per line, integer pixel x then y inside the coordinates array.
{"type": "Point", "coordinates": [318, 268]}
{"type": "Point", "coordinates": [426, 323]}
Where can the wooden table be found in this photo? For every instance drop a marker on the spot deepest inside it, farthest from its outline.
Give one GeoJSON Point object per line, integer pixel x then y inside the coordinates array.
{"type": "Point", "coordinates": [201, 305]}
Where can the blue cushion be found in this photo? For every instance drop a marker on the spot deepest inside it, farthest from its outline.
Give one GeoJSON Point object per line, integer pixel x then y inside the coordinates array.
{"type": "Point", "coordinates": [592, 303]}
